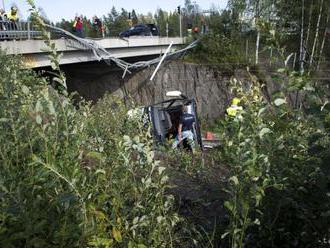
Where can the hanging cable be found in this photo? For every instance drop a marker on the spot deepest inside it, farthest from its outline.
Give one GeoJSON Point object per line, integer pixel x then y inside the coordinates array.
{"type": "Point", "coordinates": [101, 53]}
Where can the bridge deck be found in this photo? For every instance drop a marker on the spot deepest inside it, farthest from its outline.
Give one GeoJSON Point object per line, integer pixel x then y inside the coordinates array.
{"type": "Point", "coordinates": [34, 53]}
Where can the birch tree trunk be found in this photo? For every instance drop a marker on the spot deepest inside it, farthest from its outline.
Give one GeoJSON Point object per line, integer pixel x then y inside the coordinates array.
{"type": "Point", "coordinates": [258, 30]}
{"type": "Point", "coordinates": [323, 42]}
{"type": "Point", "coordinates": [308, 31]}
{"type": "Point", "coordinates": [257, 47]}
{"type": "Point", "coordinates": [316, 34]}
{"type": "Point", "coordinates": [301, 52]}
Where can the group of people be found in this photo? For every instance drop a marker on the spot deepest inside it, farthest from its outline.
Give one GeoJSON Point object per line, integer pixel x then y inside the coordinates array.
{"type": "Point", "coordinates": [97, 26]}
{"type": "Point", "coordinates": [8, 21]}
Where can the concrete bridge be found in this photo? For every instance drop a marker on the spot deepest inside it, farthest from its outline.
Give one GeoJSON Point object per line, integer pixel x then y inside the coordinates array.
{"type": "Point", "coordinates": [35, 56]}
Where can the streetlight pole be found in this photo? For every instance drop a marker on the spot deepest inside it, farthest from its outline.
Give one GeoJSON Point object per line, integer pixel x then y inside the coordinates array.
{"type": "Point", "coordinates": [180, 21]}
{"type": "Point", "coordinates": [3, 5]}
{"type": "Point", "coordinates": [167, 29]}
{"type": "Point", "coordinates": [180, 25]}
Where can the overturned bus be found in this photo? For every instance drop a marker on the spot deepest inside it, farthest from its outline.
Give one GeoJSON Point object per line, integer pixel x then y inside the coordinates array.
{"type": "Point", "coordinates": [165, 118]}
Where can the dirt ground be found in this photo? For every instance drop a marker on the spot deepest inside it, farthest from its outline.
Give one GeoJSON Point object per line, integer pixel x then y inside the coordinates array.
{"type": "Point", "coordinates": [198, 184]}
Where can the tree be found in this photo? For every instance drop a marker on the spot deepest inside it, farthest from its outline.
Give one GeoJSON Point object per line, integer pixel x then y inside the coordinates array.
{"type": "Point", "coordinates": [134, 17]}
{"type": "Point", "coordinates": [109, 20]}
{"type": "Point", "coordinates": [310, 19]}
{"type": "Point", "coordinates": [173, 24]}
{"type": "Point", "coordinates": [259, 10]}
{"type": "Point", "coordinates": [316, 34]}
{"type": "Point", "coordinates": [114, 13]}
{"type": "Point", "coordinates": [188, 7]}
{"type": "Point", "coordinates": [161, 20]}
{"type": "Point", "coordinates": [301, 52]}
{"type": "Point", "coordinates": [323, 41]}
{"type": "Point", "coordinates": [115, 22]}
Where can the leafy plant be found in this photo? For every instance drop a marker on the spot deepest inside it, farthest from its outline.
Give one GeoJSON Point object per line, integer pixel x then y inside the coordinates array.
{"type": "Point", "coordinates": [219, 50]}
{"type": "Point", "coordinates": [75, 176]}
{"type": "Point", "coordinates": [269, 147]}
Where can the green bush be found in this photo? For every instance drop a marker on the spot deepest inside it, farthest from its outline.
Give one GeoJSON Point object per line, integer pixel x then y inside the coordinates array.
{"type": "Point", "coordinates": [279, 172]}
{"type": "Point", "coordinates": [75, 177]}
{"type": "Point", "coordinates": [218, 50]}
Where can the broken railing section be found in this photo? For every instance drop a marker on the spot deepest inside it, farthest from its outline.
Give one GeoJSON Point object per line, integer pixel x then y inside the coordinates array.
{"type": "Point", "coordinates": [161, 61]}
{"type": "Point", "coordinates": [102, 54]}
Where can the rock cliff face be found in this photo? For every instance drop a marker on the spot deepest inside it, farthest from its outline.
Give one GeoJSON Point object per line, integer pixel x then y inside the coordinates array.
{"type": "Point", "coordinates": [206, 84]}
{"type": "Point", "coordinates": [92, 80]}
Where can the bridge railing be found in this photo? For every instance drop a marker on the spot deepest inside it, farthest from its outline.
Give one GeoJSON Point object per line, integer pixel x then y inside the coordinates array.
{"type": "Point", "coordinates": [18, 31]}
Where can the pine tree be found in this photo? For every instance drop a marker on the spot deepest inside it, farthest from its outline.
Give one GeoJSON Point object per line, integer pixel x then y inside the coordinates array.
{"type": "Point", "coordinates": [134, 17]}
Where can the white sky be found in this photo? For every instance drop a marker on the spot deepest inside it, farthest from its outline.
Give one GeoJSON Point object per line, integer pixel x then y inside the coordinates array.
{"type": "Point", "coordinates": [58, 9]}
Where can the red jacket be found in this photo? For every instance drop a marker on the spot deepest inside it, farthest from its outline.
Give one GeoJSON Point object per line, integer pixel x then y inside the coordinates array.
{"type": "Point", "coordinates": [79, 25]}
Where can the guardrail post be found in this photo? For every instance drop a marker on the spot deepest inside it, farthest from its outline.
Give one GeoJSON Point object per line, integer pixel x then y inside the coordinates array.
{"type": "Point", "coordinates": [28, 29]}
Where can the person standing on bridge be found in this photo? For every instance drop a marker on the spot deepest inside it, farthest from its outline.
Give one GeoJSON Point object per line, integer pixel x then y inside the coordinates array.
{"type": "Point", "coordinates": [12, 16]}
{"type": "Point", "coordinates": [97, 26]}
{"type": "Point", "coordinates": [3, 20]}
{"type": "Point", "coordinates": [2, 14]}
{"type": "Point", "coordinates": [78, 26]}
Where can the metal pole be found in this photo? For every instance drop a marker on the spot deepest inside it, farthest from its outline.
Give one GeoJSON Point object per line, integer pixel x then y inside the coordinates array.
{"type": "Point", "coordinates": [28, 30]}
{"type": "Point", "coordinates": [161, 61]}
{"type": "Point", "coordinates": [180, 25]}
{"type": "Point", "coordinates": [3, 5]}
{"type": "Point", "coordinates": [167, 29]}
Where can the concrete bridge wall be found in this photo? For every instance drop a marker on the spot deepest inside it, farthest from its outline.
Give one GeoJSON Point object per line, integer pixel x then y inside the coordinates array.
{"type": "Point", "coordinates": [34, 54]}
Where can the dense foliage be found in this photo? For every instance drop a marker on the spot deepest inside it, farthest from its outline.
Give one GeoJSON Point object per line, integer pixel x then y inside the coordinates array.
{"type": "Point", "coordinates": [86, 176]}
{"type": "Point", "coordinates": [279, 169]}
{"type": "Point", "coordinates": [75, 177]}
{"type": "Point", "coordinates": [218, 50]}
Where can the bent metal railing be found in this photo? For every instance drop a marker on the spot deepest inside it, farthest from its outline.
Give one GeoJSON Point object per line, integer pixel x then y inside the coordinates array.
{"type": "Point", "coordinates": [99, 52]}
{"type": "Point", "coordinates": [18, 31]}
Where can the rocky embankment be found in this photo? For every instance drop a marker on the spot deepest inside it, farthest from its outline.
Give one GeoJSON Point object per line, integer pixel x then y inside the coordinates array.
{"type": "Point", "coordinates": [208, 85]}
